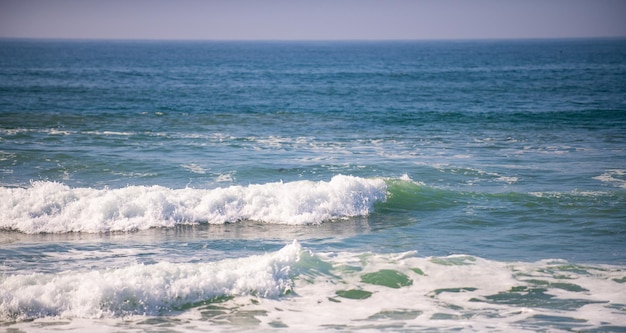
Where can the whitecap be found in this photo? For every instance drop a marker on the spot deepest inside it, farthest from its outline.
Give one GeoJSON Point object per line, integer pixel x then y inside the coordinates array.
{"type": "Point", "coordinates": [144, 289]}
{"type": "Point", "coordinates": [56, 208]}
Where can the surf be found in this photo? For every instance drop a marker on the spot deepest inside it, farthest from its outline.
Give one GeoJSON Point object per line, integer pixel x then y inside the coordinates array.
{"type": "Point", "coordinates": [288, 286]}
{"type": "Point", "coordinates": [52, 207]}
{"type": "Point", "coordinates": [145, 289]}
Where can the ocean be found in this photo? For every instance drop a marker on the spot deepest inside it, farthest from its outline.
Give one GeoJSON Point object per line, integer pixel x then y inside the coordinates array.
{"type": "Point", "coordinates": [404, 186]}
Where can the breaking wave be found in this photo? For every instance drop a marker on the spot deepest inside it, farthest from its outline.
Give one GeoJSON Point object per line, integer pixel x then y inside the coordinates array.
{"type": "Point", "coordinates": [51, 207]}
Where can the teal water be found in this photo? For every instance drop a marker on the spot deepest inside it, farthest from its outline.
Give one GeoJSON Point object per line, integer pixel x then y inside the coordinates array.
{"type": "Point", "coordinates": [185, 169]}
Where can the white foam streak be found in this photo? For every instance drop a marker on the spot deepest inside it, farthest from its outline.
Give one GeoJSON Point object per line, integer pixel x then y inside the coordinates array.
{"type": "Point", "coordinates": [144, 289]}
{"type": "Point", "coordinates": [614, 177]}
{"type": "Point", "coordinates": [55, 208]}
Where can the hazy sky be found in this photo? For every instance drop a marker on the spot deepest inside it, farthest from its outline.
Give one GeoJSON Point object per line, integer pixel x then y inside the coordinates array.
{"type": "Point", "coordinates": [315, 19]}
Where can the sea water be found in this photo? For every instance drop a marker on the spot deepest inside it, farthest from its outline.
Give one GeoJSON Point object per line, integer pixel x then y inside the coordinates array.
{"type": "Point", "coordinates": [313, 186]}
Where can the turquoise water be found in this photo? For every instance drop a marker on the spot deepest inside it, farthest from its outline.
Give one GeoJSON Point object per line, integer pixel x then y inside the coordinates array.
{"type": "Point", "coordinates": [319, 186]}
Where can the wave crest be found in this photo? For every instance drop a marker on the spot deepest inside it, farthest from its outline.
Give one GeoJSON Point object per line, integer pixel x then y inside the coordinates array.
{"type": "Point", "coordinates": [145, 289]}
{"type": "Point", "coordinates": [51, 207]}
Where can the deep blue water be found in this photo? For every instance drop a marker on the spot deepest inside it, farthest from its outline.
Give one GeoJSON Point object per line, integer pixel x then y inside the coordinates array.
{"type": "Point", "coordinates": [124, 152]}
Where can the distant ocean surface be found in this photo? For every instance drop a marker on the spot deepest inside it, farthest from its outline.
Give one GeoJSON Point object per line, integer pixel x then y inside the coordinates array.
{"type": "Point", "coordinates": [313, 186]}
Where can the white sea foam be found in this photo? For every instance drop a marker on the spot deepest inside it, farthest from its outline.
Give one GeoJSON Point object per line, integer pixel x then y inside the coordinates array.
{"type": "Point", "coordinates": [14, 131]}
{"type": "Point", "coordinates": [53, 207]}
{"type": "Point", "coordinates": [225, 177]}
{"type": "Point", "coordinates": [54, 131]}
{"type": "Point", "coordinates": [615, 177]}
{"type": "Point", "coordinates": [477, 175]}
{"type": "Point", "coordinates": [144, 289]}
{"type": "Point", "coordinates": [405, 292]}
{"type": "Point", "coordinates": [303, 291]}
{"type": "Point", "coordinates": [195, 168]}
{"type": "Point", "coordinates": [506, 179]}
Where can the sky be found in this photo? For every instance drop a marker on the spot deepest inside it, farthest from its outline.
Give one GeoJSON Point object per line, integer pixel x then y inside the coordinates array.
{"type": "Point", "coordinates": [312, 20]}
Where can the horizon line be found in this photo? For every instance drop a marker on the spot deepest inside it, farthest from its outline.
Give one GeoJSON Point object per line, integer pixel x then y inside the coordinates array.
{"type": "Point", "coordinates": [131, 39]}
